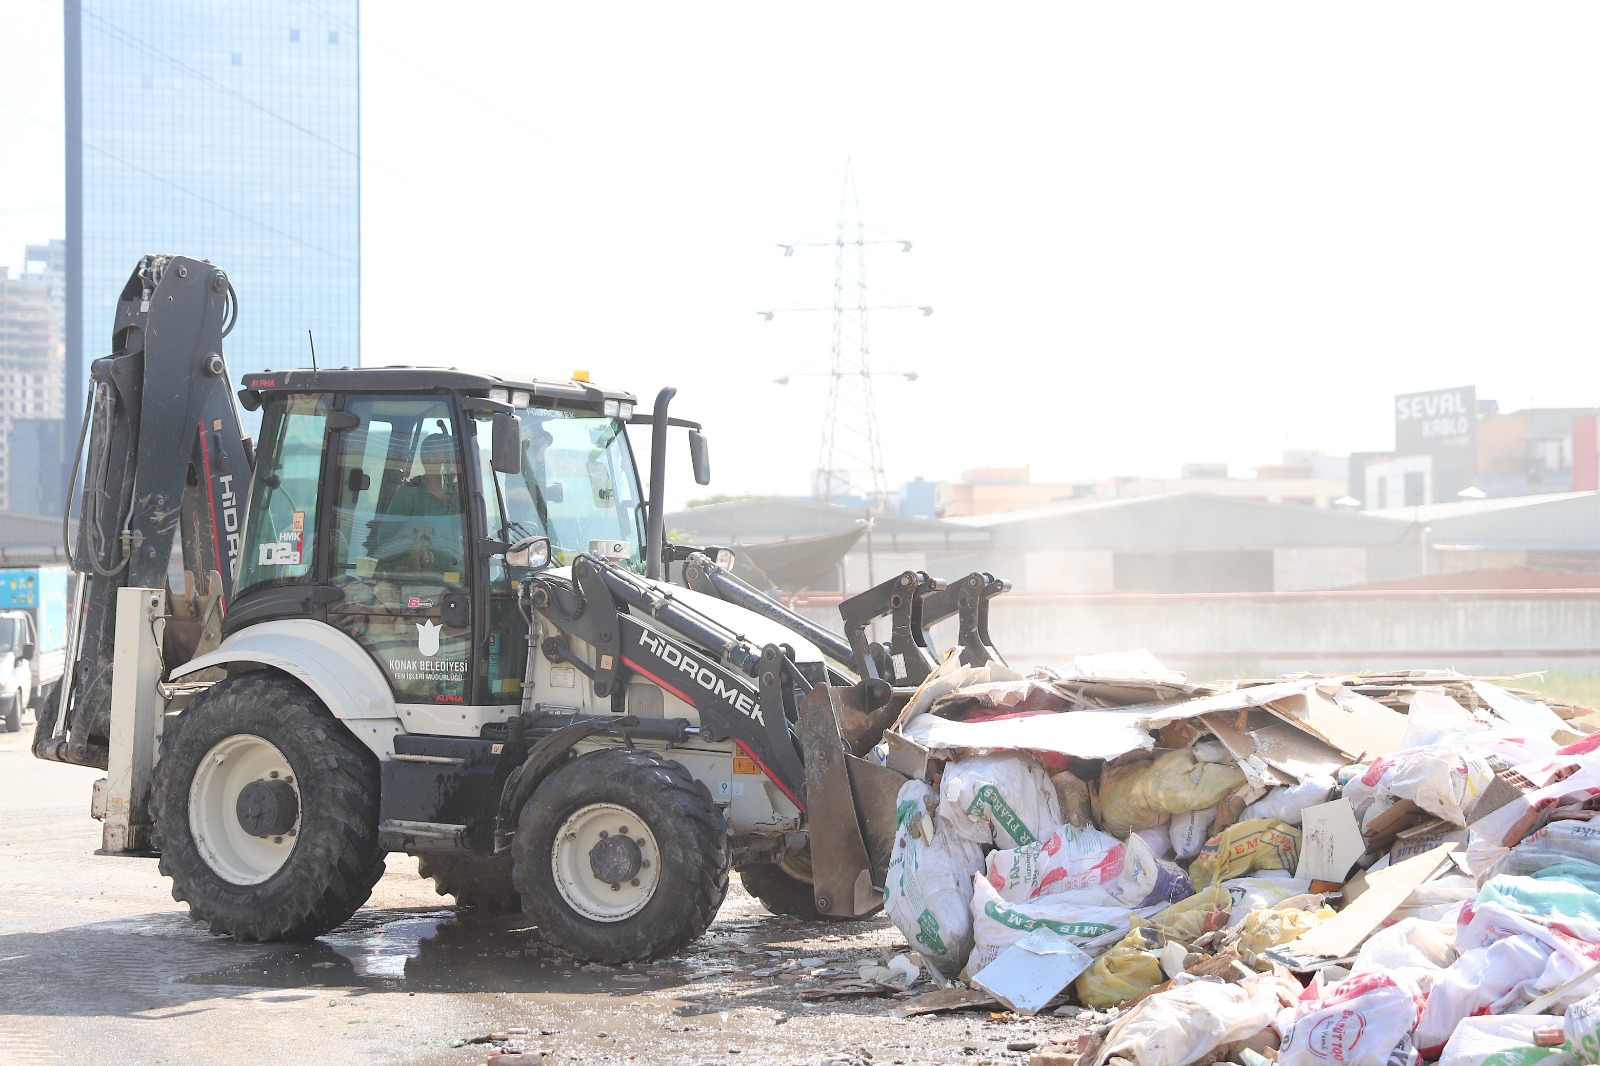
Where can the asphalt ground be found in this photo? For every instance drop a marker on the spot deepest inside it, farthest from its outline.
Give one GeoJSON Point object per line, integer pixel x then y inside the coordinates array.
{"type": "Point", "coordinates": [98, 964]}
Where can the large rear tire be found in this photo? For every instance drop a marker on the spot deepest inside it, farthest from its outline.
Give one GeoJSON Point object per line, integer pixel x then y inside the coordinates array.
{"type": "Point", "coordinates": [266, 812]}
{"type": "Point", "coordinates": [620, 856]}
{"type": "Point", "coordinates": [484, 884]}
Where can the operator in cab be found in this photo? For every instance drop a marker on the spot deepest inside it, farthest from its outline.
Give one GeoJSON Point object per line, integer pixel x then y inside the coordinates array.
{"type": "Point", "coordinates": [428, 545]}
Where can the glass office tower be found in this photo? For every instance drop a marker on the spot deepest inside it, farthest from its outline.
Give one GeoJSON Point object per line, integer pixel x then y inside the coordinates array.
{"type": "Point", "coordinates": [226, 130]}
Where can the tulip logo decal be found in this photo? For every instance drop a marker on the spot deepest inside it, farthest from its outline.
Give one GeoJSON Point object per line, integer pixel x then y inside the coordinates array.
{"type": "Point", "coordinates": [428, 638]}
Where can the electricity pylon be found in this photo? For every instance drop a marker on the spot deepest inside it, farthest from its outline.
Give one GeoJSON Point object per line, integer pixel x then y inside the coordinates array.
{"type": "Point", "coordinates": [851, 460]}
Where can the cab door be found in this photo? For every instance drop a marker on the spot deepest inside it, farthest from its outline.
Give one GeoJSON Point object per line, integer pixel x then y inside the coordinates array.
{"type": "Point", "coordinates": [397, 543]}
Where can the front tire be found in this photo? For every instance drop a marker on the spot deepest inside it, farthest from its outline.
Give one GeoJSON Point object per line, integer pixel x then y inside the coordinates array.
{"type": "Point", "coordinates": [620, 856]}
{"type": "Point", "coordinates": [14, 713]}
{"type": "Point", "coordinates": [266, 812]}
{"type": "Point", "coordinates": [785, 888]}
{"type": "Point", "coordinates": [484, 884]}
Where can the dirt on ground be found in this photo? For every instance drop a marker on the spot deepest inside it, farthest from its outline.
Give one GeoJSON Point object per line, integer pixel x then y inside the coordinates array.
{"type": "Point", "coordinates": [98, 964]}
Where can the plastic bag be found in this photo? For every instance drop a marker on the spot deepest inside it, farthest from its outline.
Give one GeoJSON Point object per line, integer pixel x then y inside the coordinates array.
{"type": "Point", "coordinates": [1265, 929]}
{"type": "Point", "coordinates": [1072, 796]}
{"type": "Point", "coordinates": [1267, 889]}
{"type": "Point", "coordinates": [1259, 844]}
{"type": "Point", "coordinates": [1504, 1040]}
{"type": "Point", "coordinates": [1191, 1022]}
{"type": "Point", "coordinates": [1286, 803]}
{"type": "Point", "coordinates": [1142, 794]}
{"type": "Point", "coordinates": [1361, 1021]}
{"type": "Point", "coordinates": [1075, 861]}
{"type": "Point", "coordinates": [1437, 900]}
{"type": "Point", "coordinates": [1005, 800]}
{"type": "Point", "coordinates": [1496, 833]}
{"type": "Point", "coordinates": [1158, 840]}
{"type": "Point", "coordinates": [997, 924]}
{"type": "Point", "coordinates": [1445, 781]}
{"type": "Point", "coordinates": [1411, 943]}
{"type": "Point", "coordinates": [1189, 919]}
{"type": "Point", "coordinates": [1131, 968]}
{"type": "Point", "coordinates": [1567, 892]}
{"type": "Point", "coordinates": [1582, 1028]}
{"type": "Point", "coordinates": [1188, 831]}
{"type": "Point", "coordinates": [1555, 843]}
{"type": "Point", "coordinates": [1481, 981]}
{"type": "Point", "coordinates": [1088, 867]}
{"type": "Point", "coordinates": [929, 888]}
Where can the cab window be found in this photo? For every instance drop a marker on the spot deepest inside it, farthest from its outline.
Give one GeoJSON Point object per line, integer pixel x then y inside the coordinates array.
{"type": "Point", "coordinates": [277, 543]}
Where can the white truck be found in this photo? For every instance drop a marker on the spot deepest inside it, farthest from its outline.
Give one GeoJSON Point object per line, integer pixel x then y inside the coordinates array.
{"type": "Point", "coordinates": [33, 636]}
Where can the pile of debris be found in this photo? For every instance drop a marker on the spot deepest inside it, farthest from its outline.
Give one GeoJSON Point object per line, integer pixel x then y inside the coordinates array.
{"type": "Point", "coordinates": [1370, 868]}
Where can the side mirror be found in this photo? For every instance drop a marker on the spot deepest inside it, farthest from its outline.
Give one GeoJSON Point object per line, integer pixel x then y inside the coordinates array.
{"type": "Point", "coordinates": [506, 454]}
{"type": "Point", "coordinates": [27, 649]}
{"type": "Point", "coordinates": [554, 493]}
{"type": "Point", "coordinates": [700, 456]}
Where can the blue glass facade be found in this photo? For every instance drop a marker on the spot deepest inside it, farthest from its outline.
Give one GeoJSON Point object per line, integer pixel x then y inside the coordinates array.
{"type": "Point", "coordinates": [228, 130]}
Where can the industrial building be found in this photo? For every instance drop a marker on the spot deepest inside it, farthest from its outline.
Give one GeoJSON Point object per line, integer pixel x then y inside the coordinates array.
{"type": "Point", "coordinates": [31, 385]}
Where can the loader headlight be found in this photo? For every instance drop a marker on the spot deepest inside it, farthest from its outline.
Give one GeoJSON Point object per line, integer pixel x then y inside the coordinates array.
{"type": "Point", "coordinates": [519, 398]}
{"type": "Point", "coordinates": [610, 409]}
{"type": "Point", "coordinates": [725, 558]}
{"type": "Point", "coordinates": [500, 395]}
{"type": "Point", "coordinates": [529, 553]}
{"type": "Point", "coordinates": [625, 410]}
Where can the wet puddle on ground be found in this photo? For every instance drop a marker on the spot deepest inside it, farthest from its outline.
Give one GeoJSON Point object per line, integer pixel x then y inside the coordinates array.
{"type": "Point", "coordinates": [435, 951]}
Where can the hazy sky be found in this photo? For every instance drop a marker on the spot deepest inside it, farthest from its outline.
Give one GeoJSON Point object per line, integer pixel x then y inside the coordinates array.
{"type": "Point", "coordinates": [1152, 233]}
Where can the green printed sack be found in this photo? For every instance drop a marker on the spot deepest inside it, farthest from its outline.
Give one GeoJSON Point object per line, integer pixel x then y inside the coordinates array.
{"type": "Point", "coordinates": [998, 924]}
{"type": "Point", "coordinates": [930, 881]}
{"type": "Point", "coordinates": [1004, 800]}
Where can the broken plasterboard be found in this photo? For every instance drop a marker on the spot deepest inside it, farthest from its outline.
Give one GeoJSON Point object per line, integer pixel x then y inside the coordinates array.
{"type": "Point", "coordinates": [1033, 971]}
{"type": "Point", "coordinates": [1386, 890]}
{"type": "Point", "coordinates": [1330, 842]}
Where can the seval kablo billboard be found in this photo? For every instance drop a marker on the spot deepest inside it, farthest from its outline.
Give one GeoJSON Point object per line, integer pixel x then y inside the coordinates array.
{"type": "Point", "coordinates": [1442, 424]}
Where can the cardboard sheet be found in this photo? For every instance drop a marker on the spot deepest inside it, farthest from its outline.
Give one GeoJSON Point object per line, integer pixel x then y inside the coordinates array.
{"type": "Point", "coordinates": [1103, 734]}
{"type": "Point", "coordinates": [1238, 699]}
{"type": "Point", "coordinates": [1357, 725]}
{"type": "Point", "coordinates": [1386, 890]}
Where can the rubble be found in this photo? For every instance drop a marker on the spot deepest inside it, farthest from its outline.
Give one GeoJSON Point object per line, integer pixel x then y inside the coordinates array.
{"type": "Point", "coordinates": [1367, 868]}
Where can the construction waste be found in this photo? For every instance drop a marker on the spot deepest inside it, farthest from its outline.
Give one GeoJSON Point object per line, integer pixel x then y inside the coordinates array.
{"type": "Point", "coordinates": [1367, 870]}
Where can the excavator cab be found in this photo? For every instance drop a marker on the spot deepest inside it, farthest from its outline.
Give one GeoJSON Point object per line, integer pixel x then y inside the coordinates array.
{"type": "Point", "coordinates": [385, 502]}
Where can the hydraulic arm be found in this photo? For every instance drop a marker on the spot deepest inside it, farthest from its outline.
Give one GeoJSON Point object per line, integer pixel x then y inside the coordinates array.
{"type": "Point", "coordinates": [167, 466]}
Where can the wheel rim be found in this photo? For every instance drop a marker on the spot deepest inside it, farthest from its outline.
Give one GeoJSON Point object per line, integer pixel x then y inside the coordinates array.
{"type": "Point", "coordinates": [231, 850]}
{"type": "Point", "coordinates": [599, 842]}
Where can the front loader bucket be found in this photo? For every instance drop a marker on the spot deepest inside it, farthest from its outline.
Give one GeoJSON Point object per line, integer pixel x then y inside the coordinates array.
{"type": "Point", "coordinates": [850, 802]}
